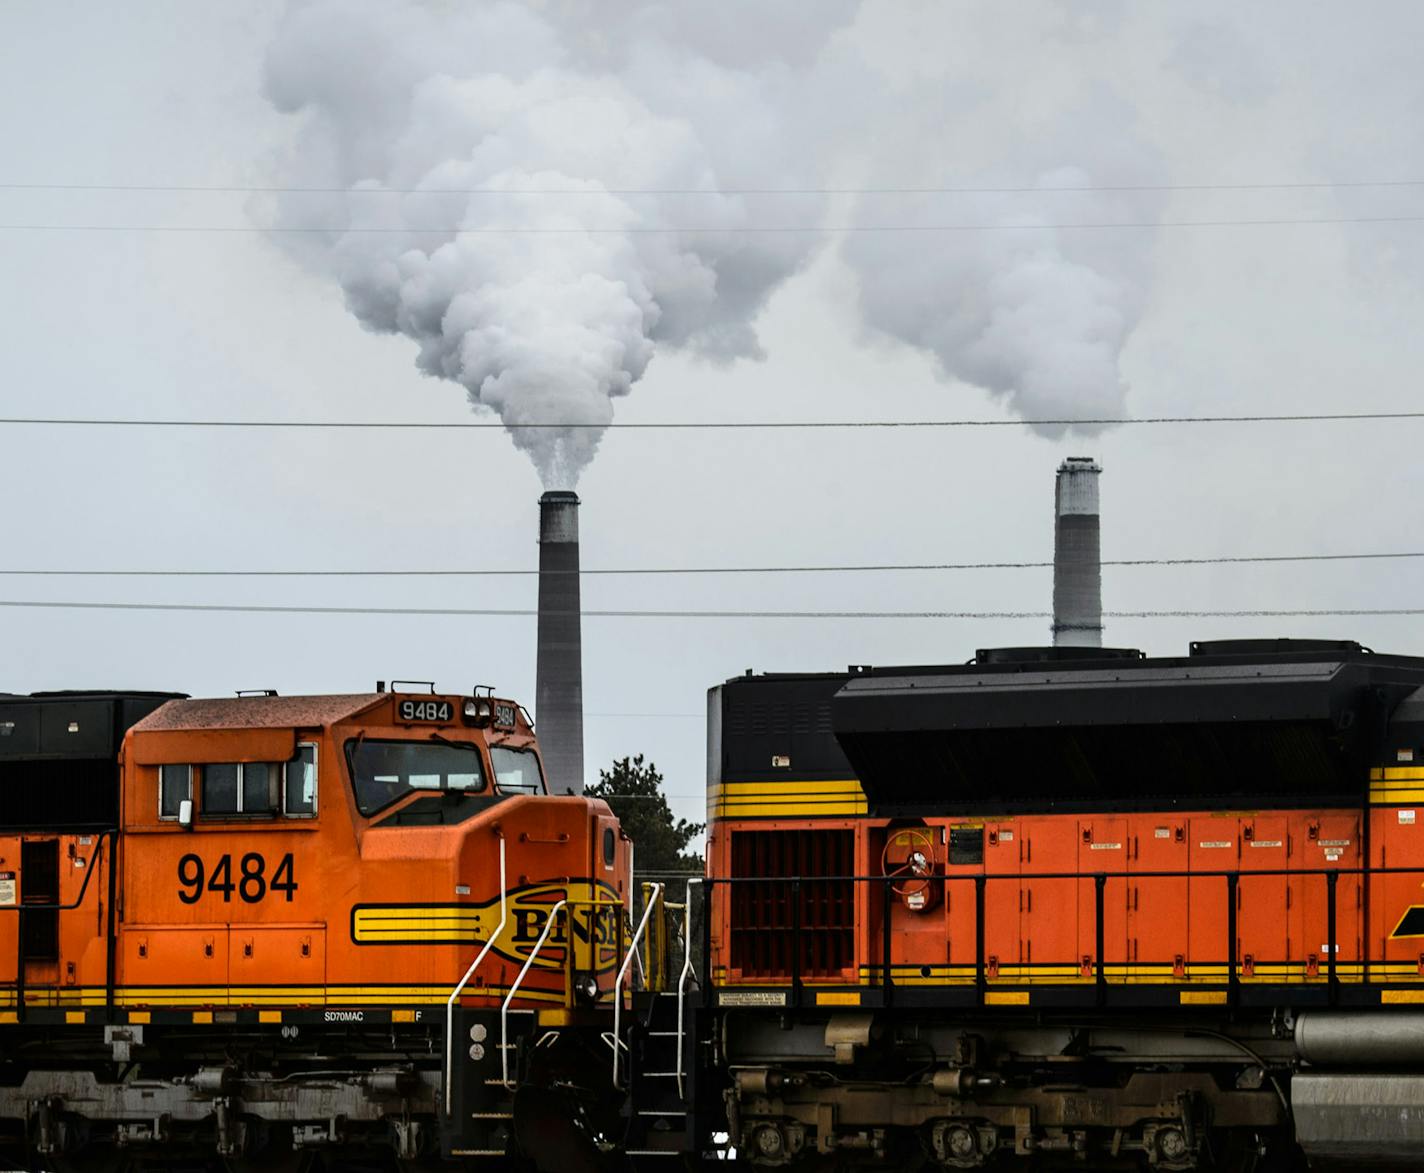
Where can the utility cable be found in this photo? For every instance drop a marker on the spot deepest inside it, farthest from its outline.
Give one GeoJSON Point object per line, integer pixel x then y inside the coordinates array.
{"type": "Point", "coordinates": [487, 572]}
{"type": "Point", "coordinates": [698, 229]}
{"type": "Point", "coordinates": [528, 612]}
{"type": "Point", "coordinates": [711, 425]}
{"type": "Point", "coordinates": [1021, 189]}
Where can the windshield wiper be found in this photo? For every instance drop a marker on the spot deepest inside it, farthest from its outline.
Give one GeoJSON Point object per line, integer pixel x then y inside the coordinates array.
{"type": "Point", "coordinates": [443, 740]}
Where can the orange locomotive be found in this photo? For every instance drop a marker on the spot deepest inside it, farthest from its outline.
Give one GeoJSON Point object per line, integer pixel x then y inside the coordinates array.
{"type": "Point", "coordinates": [1067, 906]}
{"type": "Point", "coordinates": [238, 935]}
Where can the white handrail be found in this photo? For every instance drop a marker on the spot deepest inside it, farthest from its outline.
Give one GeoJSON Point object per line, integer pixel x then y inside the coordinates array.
{"type": "Point", "coordinates": [632, 895]}
{"type": "Point", "coordinates": [514, 989]}
{"type": "Point", "coordinates": [469, 973]}
{"type": "Point", "coordinates": [623, 972]}
{"type": "Point", "coordinates": [682, 977]}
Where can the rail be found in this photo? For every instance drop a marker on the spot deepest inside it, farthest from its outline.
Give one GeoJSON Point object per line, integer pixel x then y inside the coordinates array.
{"type": "Point", "coordinates": [464, 981]}
{"type": "Point", "coordinates": [549, 923]}
{"type": "Point", "coordinates": [682, 980]}
{"type": "Point", "coordinates": [1097, 972]}
{"type": "Point", "coordinates": [654, 902]}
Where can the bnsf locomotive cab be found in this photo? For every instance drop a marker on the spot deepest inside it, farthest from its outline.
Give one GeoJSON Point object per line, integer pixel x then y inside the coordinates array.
{"type": "Point", "coordinates": [346, 849]}
{"type": "Point", "coordinates": [290, 886]}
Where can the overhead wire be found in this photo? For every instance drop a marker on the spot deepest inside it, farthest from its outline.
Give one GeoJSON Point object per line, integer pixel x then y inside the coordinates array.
{"type": "Point", "coordinates": [828, 568]}
{"type": "Point", "coordinates": [700, 229]}
{"type": "Point", "coordinates": [712, 425]}
{"type": "Point", "coordinates": [635, 613]}
{"type": "Point", "coordinates": [1021, 189]}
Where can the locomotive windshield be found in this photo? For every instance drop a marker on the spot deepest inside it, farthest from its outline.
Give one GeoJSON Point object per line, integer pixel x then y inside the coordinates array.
{"type": "Point", "coordinates": [516, 771]}
{"type": "Point", "coordinates": [384, 771]}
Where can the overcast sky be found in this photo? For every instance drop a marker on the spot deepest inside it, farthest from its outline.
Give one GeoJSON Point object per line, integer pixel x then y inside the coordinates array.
{"type": "Point", "coordinates": [991, 323]}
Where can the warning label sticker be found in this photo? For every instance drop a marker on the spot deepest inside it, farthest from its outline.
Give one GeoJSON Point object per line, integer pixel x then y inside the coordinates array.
{"type": "Point", "coordinates": [7, 888]}
{"type": "Point", "coordinates": [1406, 816]}
{"type": "Point", "coordinates": [752, 998]}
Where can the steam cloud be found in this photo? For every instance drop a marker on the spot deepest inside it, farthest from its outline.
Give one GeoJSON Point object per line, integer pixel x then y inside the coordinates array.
{"type": "Point", "coordinates": [540, 132]}
{"type": "Point", "coordinates": [1018, 304]}
{"type": "Point", "coordinates": [546, 305]}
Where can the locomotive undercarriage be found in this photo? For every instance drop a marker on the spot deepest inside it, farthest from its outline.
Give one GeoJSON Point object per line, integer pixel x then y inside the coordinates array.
{"type": "Point", "coordinates": [861, 1090]}
{"type": "Point", "coordinates": [294, 1097]}
{"type": "Point", "coordinates": [283, 1096]}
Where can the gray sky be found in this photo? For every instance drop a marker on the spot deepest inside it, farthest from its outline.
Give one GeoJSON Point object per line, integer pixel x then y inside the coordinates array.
{"type": "Point", "coordinates": [1313, 317]}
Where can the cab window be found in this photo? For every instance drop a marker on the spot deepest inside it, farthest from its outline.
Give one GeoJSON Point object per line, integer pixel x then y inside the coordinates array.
{"type": "Point", "coordinates": [236, 789]}
{"type": "Point", "coordinates": [299, 783]}
{"type": "Point", "coordinates": [175, 785]}
{"type": "Point", "coordinates": [516, 771]}
{"type": "Point", "coordinates": [240, 788]}
{"type": "Point", "coordinates": [384, 771]}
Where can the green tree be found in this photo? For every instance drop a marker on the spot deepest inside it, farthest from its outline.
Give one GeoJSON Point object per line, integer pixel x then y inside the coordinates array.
{"type": "Point", "coordinates": [634, 791]}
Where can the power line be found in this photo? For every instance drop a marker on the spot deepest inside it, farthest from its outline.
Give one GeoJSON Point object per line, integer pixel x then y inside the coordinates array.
{"type": "Point", "coordinates": [711, 425]}
{"type": "Point", "coordinates": [525, 612]}
{"type": "Point", "coordinates": [1023, 189]}
{"type": "Point", "coordinates": [699, 230]}
{"type": "Point", "coordinates": [486, 572]}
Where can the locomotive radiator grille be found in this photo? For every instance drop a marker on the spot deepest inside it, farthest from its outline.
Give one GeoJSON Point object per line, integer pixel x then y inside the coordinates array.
{"type": "Point", "coordinates": [771, 919]}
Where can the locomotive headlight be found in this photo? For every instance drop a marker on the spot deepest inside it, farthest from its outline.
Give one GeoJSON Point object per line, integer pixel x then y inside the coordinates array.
{"type": "Point", "coordinates": [478, 710]}
{"type": "Point", "coordinates": [586, 988]}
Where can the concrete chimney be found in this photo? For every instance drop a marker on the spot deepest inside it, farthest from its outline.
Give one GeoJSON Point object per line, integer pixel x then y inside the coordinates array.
{"type": "Point", "coordinates": [1077, 567]}
{"type": "Point", "coordinates": [558, 688]}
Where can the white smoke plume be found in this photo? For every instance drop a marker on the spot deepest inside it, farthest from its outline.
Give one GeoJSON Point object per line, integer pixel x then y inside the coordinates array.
{"type": "Point", "coordinates": [1012, 301]}
{"type": "Point", "coordinates": [547, 305]}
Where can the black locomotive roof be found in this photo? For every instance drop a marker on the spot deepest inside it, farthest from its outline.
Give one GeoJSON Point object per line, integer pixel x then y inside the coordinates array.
{"type": "Point", "coordinates": [1232, 723]}
{"type": "Point", "coordinates": [1253, 722]}
{"type": "Point", "coordinates": [71, 724]}
{"type": "Point", "coordinates": [1248, 680]}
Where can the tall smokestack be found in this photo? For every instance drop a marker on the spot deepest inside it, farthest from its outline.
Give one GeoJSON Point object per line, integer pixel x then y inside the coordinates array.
{"type": "Point", "coordinates": [1077, 569]}
{"type": "Point", "coordinates": [558, 688]}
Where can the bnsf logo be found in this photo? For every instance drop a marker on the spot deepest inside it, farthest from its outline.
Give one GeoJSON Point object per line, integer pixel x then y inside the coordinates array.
{"type": "Point", "coordinates": [589, 924]}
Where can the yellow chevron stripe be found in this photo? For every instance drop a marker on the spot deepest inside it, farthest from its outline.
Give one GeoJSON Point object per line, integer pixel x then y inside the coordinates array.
{"type": "Point", "coordinates": [793, 798]}
{"type": "Point", "coordinates": [1395, 797]}
{"type": "Point", "coordinates": [785, 810]}
{"type": "Point", "coordinates": [237, 997]}
{"type": "Point", "coordinates": [838, 786]}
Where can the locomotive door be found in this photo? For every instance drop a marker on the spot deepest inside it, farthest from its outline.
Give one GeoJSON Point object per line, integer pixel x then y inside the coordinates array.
{"type": "Point", "coordinates": [1263, 902]}
{"type": "Point", "coordinates": [39, 927]}
{"type": "Point", "coordinates": [1397, 898]}
{"type": "Point", "coordinates": [1049, 916]}
{"type": "Point", "coordinates": [1331, 842]}
{"type": "Point", "coordinates": [1001, 899]}
{"type": "Point", "coordinates": [1211, 847]}
{"type": "Point", "coordinates": [1157, 907]}
{"type": "Point", "coordinates": [1103, 849]}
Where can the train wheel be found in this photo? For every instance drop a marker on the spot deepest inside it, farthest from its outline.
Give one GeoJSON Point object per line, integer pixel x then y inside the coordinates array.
{"type": "Point", "coordinates": [91, 1159]}
{"type": "Point", "coordinates": [273, 1153]}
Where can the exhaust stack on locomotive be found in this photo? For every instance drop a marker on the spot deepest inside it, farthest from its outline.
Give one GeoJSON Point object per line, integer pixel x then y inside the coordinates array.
{"type": "Point", "coordinates": [558, 689]}
{"type": "Point", "coordinates": [1077, 571]}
